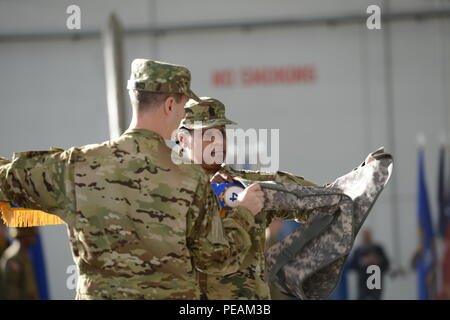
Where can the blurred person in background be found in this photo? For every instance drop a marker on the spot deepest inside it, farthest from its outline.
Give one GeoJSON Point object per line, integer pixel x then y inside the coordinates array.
{"type": "Point", "coordinates": [16, 267]}
{"type": "Point", "coordinates": [367, 254]}
{"type": "Point", "coordinates": [4, 243]}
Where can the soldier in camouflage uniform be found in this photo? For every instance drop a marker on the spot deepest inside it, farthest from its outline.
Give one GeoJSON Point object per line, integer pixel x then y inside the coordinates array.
{"type": "Point", "coordinates": [249, 282]}
{"type": "Point", "coordinates": [140, 226]}
{"type": "Point", "coordinates": [16, 269]}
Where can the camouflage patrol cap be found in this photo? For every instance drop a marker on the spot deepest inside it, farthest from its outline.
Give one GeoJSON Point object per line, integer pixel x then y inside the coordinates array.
{"type": "Point", "coordinates": [161, 77]}
{"type": "Point", "coordinates": [208, 113]}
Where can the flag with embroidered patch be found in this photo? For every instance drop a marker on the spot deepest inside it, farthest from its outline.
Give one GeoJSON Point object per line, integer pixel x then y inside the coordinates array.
{"type": "Point", "coordinates": [227, 194]}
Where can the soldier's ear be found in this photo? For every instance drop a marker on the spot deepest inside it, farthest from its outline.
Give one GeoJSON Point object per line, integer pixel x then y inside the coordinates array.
{"type": "Point", "coordinates": [182, 138]}
{"type": "Point", "coordinates": [168, 105]}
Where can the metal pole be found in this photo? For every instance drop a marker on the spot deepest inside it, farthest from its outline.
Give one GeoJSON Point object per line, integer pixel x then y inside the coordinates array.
{"type": "Point", "coordinates": [113, 53]}
{"type": "Point", "coordinates": [390, 128]}
{"type": "Point", "coordinates": [153, 24]}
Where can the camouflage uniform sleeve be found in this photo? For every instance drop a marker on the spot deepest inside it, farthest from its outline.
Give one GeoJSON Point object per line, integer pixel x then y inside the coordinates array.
{"type": "Point", "coordinates": [218, 246]}
{"type": "Point", "coordinates": [40, 180]}
{"type": "Point", "coordinates": [281, 177]}
{"type": "Point", "coordinates": [3, 163]}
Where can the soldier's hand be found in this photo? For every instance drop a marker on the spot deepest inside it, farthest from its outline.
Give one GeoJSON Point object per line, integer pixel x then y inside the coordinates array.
{"type": "Point", "coordinates": [252, 198]}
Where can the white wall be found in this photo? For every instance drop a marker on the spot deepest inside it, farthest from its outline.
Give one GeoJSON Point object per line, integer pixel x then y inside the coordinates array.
{"type": "Point", "coordinates": [53, 92]}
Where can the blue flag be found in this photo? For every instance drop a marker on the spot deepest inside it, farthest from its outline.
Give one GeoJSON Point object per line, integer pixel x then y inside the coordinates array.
{"type": "Point", "coordinates": [38, 261]}
{"type": "Point", "coordinates": [443, 193]}
{"type": "Point", "coordinates": [426, 259]}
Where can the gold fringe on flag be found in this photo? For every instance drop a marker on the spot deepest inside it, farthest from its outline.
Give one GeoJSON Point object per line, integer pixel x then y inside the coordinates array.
{"type": "Point", "coordinates": [21, 217]}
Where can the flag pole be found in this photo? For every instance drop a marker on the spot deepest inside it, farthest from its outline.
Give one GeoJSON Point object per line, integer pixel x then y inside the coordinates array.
{"type": "Point", "coordinates": [113, 56]}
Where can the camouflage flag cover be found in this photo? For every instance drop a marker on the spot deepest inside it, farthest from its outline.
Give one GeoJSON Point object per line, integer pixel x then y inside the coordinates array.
{"type": "Point", "coordinates": [308, 263]}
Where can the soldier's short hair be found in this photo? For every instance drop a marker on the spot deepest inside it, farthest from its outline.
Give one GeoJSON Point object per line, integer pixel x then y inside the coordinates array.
{"type": "Point", "coordinates": [145, 100]}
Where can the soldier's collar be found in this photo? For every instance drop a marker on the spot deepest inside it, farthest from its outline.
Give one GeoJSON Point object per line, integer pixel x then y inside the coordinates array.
{"type": "Point", "coordinates": [145, 133]}
{"type": "Point", "coordinates": [226, 168]}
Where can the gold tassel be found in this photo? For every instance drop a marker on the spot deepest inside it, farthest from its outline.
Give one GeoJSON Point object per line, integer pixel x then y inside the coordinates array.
{"type": "Point", "coordinates": [21, 217]}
